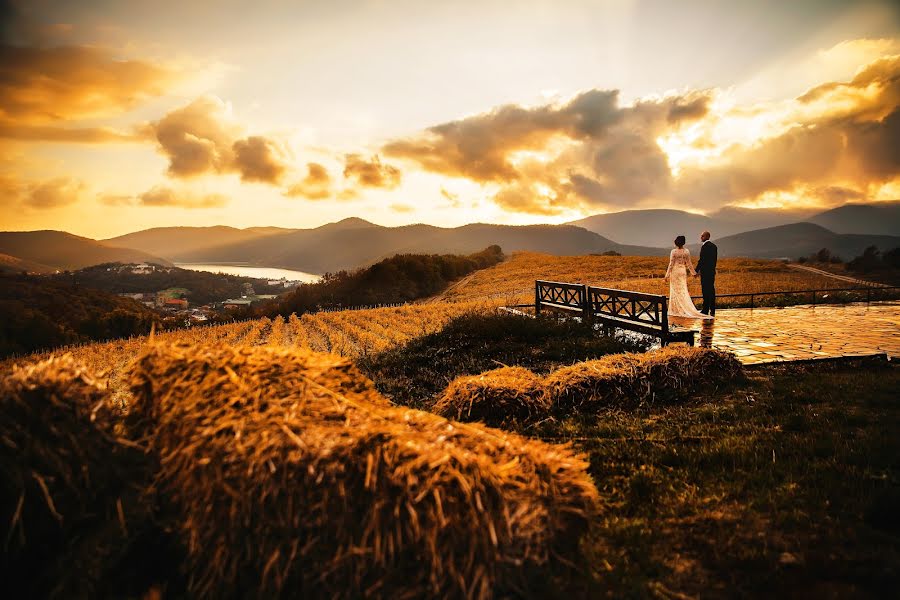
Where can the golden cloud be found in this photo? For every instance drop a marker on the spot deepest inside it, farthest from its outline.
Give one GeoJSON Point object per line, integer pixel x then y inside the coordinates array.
{"type": "Point", "coordinates": [371, 173]}
{"type": "Point", "coordinates": [41, 87]}
{"type": "Point", "coordinates": [258, 159]}
{"type": "Point", "coordinates": [166, 196]}
{"type": "Point", "coordinates": [836, 141]}
{"type": "Point", "coordinates": [44, 85]}
{"type": "Point", "coordinates": [852, 144]}
{"type": "Point", "coordinates": [41, 195]}
{"type": "Point", "coordinates": [315, 186]}
{"type": "Point", "coordinates": [202, 137]}
{"type": "Point", "coordinates": [549, 159]}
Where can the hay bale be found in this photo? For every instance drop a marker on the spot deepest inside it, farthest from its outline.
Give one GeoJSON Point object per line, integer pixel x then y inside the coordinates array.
{"type": "Point", "coordinates": [321, 493]}
{"type": "Point", "coordinates": [667, 375]}
{"type": "Point", "coordinates": [495, 397]}
{"type": "Point", "coordinates": [62, 478]}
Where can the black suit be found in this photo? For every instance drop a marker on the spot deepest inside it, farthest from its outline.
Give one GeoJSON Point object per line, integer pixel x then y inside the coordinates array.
{"type": "Point", "coordinates": [706, 267]}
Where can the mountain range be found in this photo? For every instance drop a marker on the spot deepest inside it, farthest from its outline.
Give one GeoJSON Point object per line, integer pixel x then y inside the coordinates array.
{"type": "Point", "coordinates": [353, 242]}
{"type": "Point", "coordinates": [656, 227]}
{"type": "Point", "coordinates": [48, 251]}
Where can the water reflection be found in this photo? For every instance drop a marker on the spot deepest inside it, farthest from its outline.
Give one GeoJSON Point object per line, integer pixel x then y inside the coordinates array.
{"type": "Point", "coordinates": [706, 328]}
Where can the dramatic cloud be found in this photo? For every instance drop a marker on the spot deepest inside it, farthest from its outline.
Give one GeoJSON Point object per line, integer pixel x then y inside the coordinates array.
{"type": "Point", "coordinates": [371, 173]}
{"type": "Point", "coordinates": [547, 159]}
{"type": "Point", "coordinates": [315, 186]}
{"type": "Point", "coordinates": [44, 85]}
{"type": "Point", "coordinates": [833, 143]}
{"type": "Point", "coordinates": [41, 87]}
{"type": "Point", "coordinates": [202, 137]}
{"type": "Point", "coordinates": [165, 196]}
{"type": "Point", "coordinates": [833, 155]}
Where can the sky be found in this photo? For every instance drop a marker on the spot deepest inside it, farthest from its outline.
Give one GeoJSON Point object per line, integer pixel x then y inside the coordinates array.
{"type": "Point", "coordinates": [119, 116]}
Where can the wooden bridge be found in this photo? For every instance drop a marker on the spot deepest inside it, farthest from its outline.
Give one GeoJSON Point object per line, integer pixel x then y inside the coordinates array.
{"type": "Point", "coordinates": [624, 309]}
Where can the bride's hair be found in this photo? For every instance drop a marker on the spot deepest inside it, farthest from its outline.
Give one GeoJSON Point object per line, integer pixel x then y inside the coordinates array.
{"type": "Point", "coordinates": [680, 240]}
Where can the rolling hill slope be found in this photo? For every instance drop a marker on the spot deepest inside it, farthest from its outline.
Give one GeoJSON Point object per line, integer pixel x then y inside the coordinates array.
{"type": "Point", "coordinates": [879, 219]}
{"type": "Point", "coordinates": [61, 250]}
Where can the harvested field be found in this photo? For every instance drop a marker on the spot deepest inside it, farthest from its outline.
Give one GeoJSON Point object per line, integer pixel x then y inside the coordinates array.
{"type": "Point", "coordinates": [320, 490]}
{"type": "Point", "coordinates": [513, 280]}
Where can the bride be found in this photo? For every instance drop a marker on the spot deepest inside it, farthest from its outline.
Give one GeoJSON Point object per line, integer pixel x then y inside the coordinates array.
{"type": "Point", "coordinates": [680, 303]}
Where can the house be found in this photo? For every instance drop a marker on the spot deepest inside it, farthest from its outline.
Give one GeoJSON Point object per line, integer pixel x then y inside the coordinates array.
{"type": "Point", "coordinates": [175, 303]}
{"type": "Point", "coordinates": [236, 302]}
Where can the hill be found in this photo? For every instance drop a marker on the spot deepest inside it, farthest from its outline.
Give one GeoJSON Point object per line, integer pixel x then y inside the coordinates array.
{"type": "Point", "coordinates": [878, 219]}
{"type": "Point", "coordinates": [173, 242]}
{"type": "Point", "coordinates": [37, 313]}
{"type": "Point", "coordinates": [658, 227]}
{"type": "Point", "coordinates": [60, 250]}
{"type": "Point", "coordinates": [355, 243]}
{"type": "Point", "coordinates": [12, 264]}
{"type": "Point", "coordinates": [401, 278]}
{"type": "Point", "coordinates": [798, 239]}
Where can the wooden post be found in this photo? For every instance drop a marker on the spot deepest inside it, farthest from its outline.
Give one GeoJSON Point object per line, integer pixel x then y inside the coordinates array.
{"type": "Point", "coordinates": [537, 298]}
{"type": "Point", "coordinates": [664, 339]}
{"type": "Point", "coordinates": [585, 299]}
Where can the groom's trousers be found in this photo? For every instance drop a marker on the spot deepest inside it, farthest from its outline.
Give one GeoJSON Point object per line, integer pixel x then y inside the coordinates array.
{"type": "Point", "coordinates": [708, 286]}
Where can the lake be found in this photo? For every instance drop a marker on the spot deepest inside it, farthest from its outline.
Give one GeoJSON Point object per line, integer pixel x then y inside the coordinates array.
{"type": "Point", "coordinates": [258, 272]}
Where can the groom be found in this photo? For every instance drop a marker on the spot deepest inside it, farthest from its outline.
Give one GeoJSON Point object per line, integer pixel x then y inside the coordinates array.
{"type": "Point", "coordinates": [706, 268]}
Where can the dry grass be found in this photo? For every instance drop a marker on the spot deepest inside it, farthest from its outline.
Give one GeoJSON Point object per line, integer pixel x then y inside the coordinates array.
{"type": "Point", "coordinates": [64, 481]}
{"type": "Point", "coordinates": [350, 333]}
{"type": "Point", "coordinates": [513, 280]}
{"type": "Point", "coordinates": [516, 395]}
{"type": "Point", "coordinates": [319, 490]}
{"type": "Point", "coordinates": [495, 397]}
{"type": "Point", "coordinates": [626, 380]}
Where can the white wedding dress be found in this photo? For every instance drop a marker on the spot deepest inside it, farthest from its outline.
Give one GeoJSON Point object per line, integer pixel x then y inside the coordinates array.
{"type": "Point", "coordinates": [680, 303]}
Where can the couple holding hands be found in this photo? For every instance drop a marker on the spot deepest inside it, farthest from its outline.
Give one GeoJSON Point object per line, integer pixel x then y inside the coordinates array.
{"type": "Point", "coordinates": [680, 302]}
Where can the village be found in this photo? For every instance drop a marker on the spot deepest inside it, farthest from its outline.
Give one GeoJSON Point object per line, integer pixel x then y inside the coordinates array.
{"type": "Point", "coordinates": [174, 301]}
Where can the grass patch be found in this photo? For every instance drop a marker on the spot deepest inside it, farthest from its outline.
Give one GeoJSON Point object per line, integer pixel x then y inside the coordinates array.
{"type": "Point", "coordinates": [786, 485]}
{"type": "Point", "coordinates": [414, 374]}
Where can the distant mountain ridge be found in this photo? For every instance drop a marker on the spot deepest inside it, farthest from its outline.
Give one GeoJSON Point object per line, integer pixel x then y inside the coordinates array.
{"type": "Point", "coordinates": [798, 239]}
{"type": "Point", "coordinates": [47, 251]}
{"type": "Point", "coordinates": [882, 218]}
{"type": "Point", "coordinates": [658, 227]}
{"type": "Point", "coordinates": [353, 243]}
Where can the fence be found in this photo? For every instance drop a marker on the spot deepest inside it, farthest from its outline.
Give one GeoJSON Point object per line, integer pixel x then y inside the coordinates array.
{"type": "Point", "coordinates": [871, 292]}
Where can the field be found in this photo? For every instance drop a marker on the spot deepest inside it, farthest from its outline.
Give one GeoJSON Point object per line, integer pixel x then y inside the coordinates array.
{"type": "Point", "coordinates": [513, 280]}
{"type": "Point", "coordinates": [782, 484]}
{"type": "Point", "coordinates": [346, 333]}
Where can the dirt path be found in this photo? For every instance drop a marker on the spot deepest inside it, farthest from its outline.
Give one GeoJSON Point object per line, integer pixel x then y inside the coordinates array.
{"type": "Point", "coordinates": [443, 295]}
{"type": "Point", "coordinates": [836, 276]}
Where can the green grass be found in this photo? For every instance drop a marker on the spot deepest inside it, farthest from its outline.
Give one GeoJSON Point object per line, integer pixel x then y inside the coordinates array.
{"type": "Point", "coordinates": [787, 485]}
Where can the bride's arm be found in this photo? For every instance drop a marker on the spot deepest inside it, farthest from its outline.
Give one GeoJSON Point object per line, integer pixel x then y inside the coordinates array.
{"type": "Point", "coordinates": [687, 261]}
{"type": "Point", "coordinates": [671, 262]}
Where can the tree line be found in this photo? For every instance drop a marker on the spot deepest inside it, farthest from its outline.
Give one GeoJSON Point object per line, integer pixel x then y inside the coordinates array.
{"type": "Point", "coordinates": [401, 278]}
{"type": "Point", "coordinates": [38, 314]}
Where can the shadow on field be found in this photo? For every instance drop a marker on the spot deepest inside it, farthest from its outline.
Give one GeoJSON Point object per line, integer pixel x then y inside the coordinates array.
{"type": "Point", "coordinates": [414, 374]}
